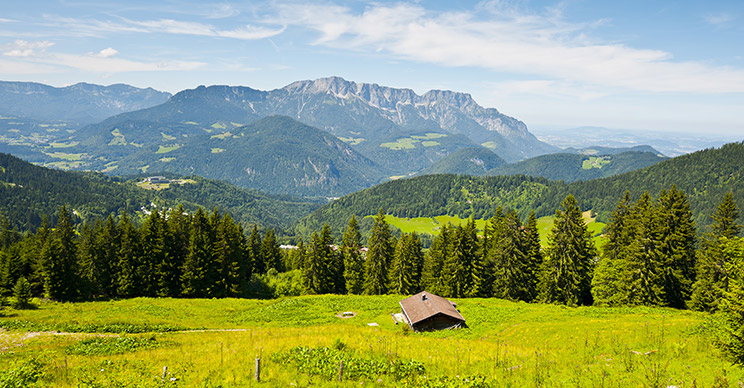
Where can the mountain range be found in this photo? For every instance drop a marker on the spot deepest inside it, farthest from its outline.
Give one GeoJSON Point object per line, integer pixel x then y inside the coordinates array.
{"type": "Point", "coordinates": [81, 103]}
{"type": "Point", "coordinates": [322, 138]}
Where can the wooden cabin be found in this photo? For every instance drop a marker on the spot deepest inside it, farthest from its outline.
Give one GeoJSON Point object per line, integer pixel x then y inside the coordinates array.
{"type": "Point", "coordinates": [426, 311]}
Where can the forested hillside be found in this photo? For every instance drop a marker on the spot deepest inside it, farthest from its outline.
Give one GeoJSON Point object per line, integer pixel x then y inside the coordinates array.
{"type": "Point", "coordinates": [29, 192]}
{"type": "Point", "coordinates": [467, 161]}
{"type": "Point", "coordinates": [573, 167]}
{"type": "Point", "coordinates": [705, 176]}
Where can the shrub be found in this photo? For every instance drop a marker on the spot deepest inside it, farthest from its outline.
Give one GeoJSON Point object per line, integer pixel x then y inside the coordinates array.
{"type": "Point", "coordinates": [21, 375]}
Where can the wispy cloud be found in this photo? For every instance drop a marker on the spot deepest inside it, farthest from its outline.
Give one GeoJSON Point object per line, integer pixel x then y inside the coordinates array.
{"type": "Point", "coordinates": [33, 57]}
{"type": "Point", "coordinates": [719, 19]}
{"type": "Point", "coordinates": [224, 10]}
{"type": "Point", "coordinates": [3, 20]}
{"type": "Point", "coordinates": [165, 26]}
{"type": "Point", "coordinates": [507, 39]}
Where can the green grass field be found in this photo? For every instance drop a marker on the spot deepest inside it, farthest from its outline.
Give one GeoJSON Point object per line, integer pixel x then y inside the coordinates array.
{"type": "Point", "coordinates": [595, 162]}
{"type": "Point", "coordinates": [432, 225]}
{"type": "Point", "coordinates": [506, 344]}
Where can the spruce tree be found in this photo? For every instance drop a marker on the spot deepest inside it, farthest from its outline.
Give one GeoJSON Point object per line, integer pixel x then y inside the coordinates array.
{"type": "Point", "coordinates": [433, 279]}
{"type": "Point", "coordinates": [195, 278]}
{"type": "Point", "coordinates": [351, 249]}
{"type": "Point", "coordinates": [129, 253]}
{"type": "Point", "coordinates": [565, 276]}
{"type": "Point", "coordinates": [675, 246]}
{"type": "Point", "coordinates": [511, 265]}
{"type": "Point", "coordinates": [153, 241]}
{"type": "Point", "coordinates": [258, 264]}
{"type": "Point", "coordinates": [178, 225]}
{"type": "Point", "coordinates": [229, 253]}
{"type": "Point", "coordinates": [318, 274]}
{"type": "Point", "coordinates": [643, 272]}
{"type": "Point", "coordinates": [459, 267]}
{"type": "Point", "coordinates": [533, 256]}
{"type": "Point", "coordinates": [59, 260]}
{"type": "Point", "coordinates": [611, 285]}
{"type": "Point", "coordinates": [712, 278]}
{"type": "Point", "coordinates": [270, 251]}
{"type": "Point", "coordinates": [404, 274]}
{"type": "Point", "coordinates": [378, 256]}
{"type": "Point", "coordinates": [731, 307]}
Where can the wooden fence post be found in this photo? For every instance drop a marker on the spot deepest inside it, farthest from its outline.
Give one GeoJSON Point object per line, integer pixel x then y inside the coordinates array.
{"type": "Point", "coordinates": [165, 372]}
{"type": "Point", "coordinates": [341, 371]}
{"type": "Point", "coordinates": [258, 369]}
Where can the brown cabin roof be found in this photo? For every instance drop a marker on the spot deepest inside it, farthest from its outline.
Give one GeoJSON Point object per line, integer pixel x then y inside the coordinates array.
{"type": "Point", "coordinates": [425, 305]}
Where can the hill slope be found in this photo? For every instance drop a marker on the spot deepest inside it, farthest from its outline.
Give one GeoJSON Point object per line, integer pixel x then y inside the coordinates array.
{"type": "Point", "coordinates": [28, 192]}
{"type": "Point", "coordinates": [573, 167]}
{"type": "Point", "coordinates": [705, 176]}
{"type": "Point", "coordinates": [276, 154]}
{"type": "Point", "coordinates": [466, 161]}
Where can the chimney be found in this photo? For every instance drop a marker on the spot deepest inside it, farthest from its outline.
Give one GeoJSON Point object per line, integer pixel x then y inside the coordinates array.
{"type": "Point", "coordinates": [423, 296]}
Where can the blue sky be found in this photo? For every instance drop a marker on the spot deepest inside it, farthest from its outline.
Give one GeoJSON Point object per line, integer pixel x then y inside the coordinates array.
{"type": "Point", "coordinates": [656, 65]}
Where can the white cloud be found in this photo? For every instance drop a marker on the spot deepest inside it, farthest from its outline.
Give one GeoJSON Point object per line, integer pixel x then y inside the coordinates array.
{"type": "Point", "coordinates": [101, 64]}
{"type": "Point", "coordinates": [107, 53]}
{"type": "Point", "coordinates": [507, 39]}
{"type": "Point", "coordinates": [247, 32]}
{"type": "Point", "coordinates": [167, 26]}
{"type": "Point", "coordinates": [3, 20]}
{"type": "Point", "coordinates": [22, 48]}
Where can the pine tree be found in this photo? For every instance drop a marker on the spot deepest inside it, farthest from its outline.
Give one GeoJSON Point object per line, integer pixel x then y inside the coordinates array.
{"type": "Point", "coordinates": [178, 225]}
{"type": "Point", "coordinates": [351, 249]}
{"type": "Point", "coordinates": [270, 251]}
{"type": "Point", "coordinates": [153, 241]}
{"type": "Point", "coordinates": [485, 267]}
{"type": "Point", "coordinates": [675, 246]}
{"type": "Point", "coordinates": [512, 273]}
{"type": "Point", "coordinates": [731, 308]}
{"type": "Point", "coordinates": [459, 267]}
{"type": "Point", "coordinates": [712, 277]}
{"type": "Point", "coordinates": [565, 276]}
{"type": "Point", "coordinates": [129, 253]}
{"type": "Point", "coordinates": [610, 284]}
{"type": "Point", "coordinates": [407, 262]}
{"type": "Point", "coordinates": [59, 258]}
{"type": "Point", "coordinates": [195, 276]}
{"type": "Point", "coordinates": [258, 264]}
{"type": "Point", "coordinates": [379, 255]}
{"type": "Point", "coordinates": [533, 256]}
{"type": "Point", "coordinates": [643, 273]}
{"type": "Point", "coordinates": [229, 258]}
{"type": "Point", "coordinates": [318, 274]}
{"type": "Point", "coordinates": [433, 277]}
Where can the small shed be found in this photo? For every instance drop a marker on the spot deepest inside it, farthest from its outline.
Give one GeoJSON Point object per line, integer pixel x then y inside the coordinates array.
{"type": "Point", "coordinates": [426, 311]}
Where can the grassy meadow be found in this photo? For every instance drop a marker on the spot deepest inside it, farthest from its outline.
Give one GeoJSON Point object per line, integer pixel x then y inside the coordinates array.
{"type": "Point", "coordinates": [214, 342]}
{"type": "Point", "coordinates": [432, 225]}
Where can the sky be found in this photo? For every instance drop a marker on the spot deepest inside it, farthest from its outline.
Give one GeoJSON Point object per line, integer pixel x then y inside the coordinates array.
{"type": "Point", "coordinates": [650, 65]}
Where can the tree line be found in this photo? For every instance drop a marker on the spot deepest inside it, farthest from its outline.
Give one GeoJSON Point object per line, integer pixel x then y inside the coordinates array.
{"type": "Point", "coordinates": [170, 254]}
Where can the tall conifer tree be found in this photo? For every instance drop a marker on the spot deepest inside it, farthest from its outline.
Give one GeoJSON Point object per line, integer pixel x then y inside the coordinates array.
{"type": "Point", "coordinates": [712, 264]}
{"type": "Point", "coordinates": [567, 270]}
{"type": "Point", "coordinates": [675, 246]}
{"type": "Point", "coordinates": [378, 256]}
{"type": "Point", "coordinates": [351, 249]}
